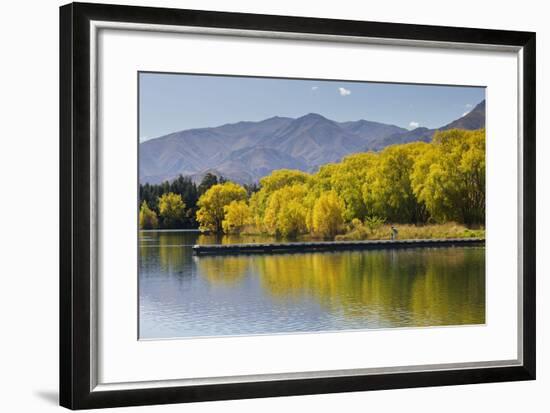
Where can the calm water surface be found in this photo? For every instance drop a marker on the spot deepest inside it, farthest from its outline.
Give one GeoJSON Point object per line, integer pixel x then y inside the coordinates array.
{"type": "Point", "coordinates": [184, 296]}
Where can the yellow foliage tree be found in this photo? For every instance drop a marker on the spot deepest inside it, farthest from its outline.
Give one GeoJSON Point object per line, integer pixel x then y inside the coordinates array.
{"type": "Point", "coordinates": [171, 209]}
{"type": "Point", "coordinates": [292, 219]}
{"type": "Point", "coordinates": [237, 217]}
{"type": "Point", "coordinates": [347, 179]}
{"type": "Point", "coordinates": [408, 183]}
{"type": "Point", "coordinates": [269, 185]}
{"type": "Point", "coordinates": [147, 217]}
{"type": "Point", "coordinates": [388, 192]}
{"type": "Point", "coordinates": [212, 204]}
{"type": "Point", "coordinates": [286, 212]}
{"type": "Point", "coordinates": [283, 177]}
{"type": "Point", "coordinates": [449, 178]}
{"type": "Point", "coordinates": [328, 215]}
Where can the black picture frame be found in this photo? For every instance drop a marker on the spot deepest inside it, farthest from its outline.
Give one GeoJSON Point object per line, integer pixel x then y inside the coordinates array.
{"type": "Point", "coordinates": [75, 219]}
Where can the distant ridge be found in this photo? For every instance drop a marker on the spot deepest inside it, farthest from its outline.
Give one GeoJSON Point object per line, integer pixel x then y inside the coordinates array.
{"type": "Point", "coordinates": [247, 151]}
{"type": "Point", "coordinates": [475, 119]}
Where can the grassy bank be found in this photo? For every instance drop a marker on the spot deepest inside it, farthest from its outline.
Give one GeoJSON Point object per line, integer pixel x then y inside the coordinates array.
{"type": "Point", "coordinates": [359, 231]}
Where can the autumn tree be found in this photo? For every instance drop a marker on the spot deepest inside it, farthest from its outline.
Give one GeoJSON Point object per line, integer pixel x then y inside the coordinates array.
{"type": "Point", "coordinates": [147, 217]}
{"type": "Point", "coordinates": [388, 192]}
{"type": "Point", "coordinates": [450, 176]}
{"type": "Point", "coordinates": [286, 213]}
{"type": "Point", "coordinates": [347, 179]}
{"type": "Point", "coordinates": [237, 216]}
{"type": "Point", "coordinates": [269, 185]}
{"type": "Point", "coordinates": [283, 177]}
{"type": "Point", "coordinates": [212, 204]}
{"type": "Point", "coordinates": [328, 215]}
{"type": "Point", "coordinates": [171, 210]}
{"type": "Point", "coordinates": [442, 180]}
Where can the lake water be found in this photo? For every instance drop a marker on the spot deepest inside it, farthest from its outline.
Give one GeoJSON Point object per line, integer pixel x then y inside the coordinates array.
{"type": "Point", "coordinates": [181, 295]}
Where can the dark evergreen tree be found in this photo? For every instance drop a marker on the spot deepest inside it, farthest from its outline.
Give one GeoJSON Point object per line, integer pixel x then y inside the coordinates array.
{"type": "Point", "coordinates": [251, 188]}
{"type": "Point", "coordinates": [182, 186]}
{"type": "Point", "coordinates": [207, 182]}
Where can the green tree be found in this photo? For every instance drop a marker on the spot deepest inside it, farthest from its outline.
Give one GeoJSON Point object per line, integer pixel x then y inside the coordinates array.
{"type": "Point", "coordinates": [373, 223]}
{"type": "Point", "coordinates": [182, 186]}
{"type": "Point", "coordinates": [328, 215]}
{"type": "Point", "coordinates": [172, 210]}
{"type": "Point", "coordinates": [237, 216]}
{"type": "Point", "coordinates": [147, 217]}
{"type": "Point", "coordinates": [208, 181]}
{"type": "Point", "coordinates": [211, 204]}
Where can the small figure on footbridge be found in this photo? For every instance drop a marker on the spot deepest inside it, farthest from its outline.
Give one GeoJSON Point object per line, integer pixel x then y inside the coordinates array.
{"type": "Point", "coordinates": [394, 232]}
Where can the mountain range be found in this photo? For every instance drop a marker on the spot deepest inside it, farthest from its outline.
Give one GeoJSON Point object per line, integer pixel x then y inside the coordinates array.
{"type": "Point", "coordinates": [246, 151]}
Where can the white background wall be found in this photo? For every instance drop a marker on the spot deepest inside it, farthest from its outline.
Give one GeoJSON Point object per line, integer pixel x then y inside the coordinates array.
{"type": "Point", "coordinates": [29, 205]}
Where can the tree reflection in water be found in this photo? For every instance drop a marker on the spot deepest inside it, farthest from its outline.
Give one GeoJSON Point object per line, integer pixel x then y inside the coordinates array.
{"type": "Point", "coordinates": [183, 295]}
{"type": "Point", "coordinates": [416, 287]}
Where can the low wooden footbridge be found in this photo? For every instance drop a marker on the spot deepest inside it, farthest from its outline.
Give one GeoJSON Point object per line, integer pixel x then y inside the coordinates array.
{"type": "Point", "coordinates": [328, 246]}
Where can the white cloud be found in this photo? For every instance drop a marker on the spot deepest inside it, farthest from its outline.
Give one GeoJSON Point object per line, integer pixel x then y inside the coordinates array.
{"type": "Point", "coordinates": [343, 91]}
{"type": "Point", "coordinates": [314, 88]}
{"type": "Point", "coordinates": [465, 113]}
{"type": "Point", "coordinates": [469, 105]}
{"type": "Point", "coordinates": [413, 125]}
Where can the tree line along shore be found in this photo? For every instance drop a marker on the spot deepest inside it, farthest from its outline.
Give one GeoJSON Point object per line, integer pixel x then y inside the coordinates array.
{"type": "Point", "coordinates": [427, 190]}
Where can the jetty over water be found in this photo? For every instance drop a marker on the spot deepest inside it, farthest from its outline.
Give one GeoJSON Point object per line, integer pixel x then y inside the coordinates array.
{"type": "Point", "coordinates": [328, 246]}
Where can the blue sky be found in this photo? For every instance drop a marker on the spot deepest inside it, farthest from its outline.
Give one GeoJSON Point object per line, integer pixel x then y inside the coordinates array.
{"type": "Point", "coordinates": [174, 102]}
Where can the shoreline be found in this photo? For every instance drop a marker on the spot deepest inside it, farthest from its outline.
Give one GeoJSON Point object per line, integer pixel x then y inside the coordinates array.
{"type": "Point", "coordinates": [328, 246]}
{"type": "Point", "coordinates": [175, 230]}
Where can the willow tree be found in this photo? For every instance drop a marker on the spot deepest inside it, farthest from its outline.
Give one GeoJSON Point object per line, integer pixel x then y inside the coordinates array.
{"type": "Point", "coordinates": [237, 217]}
{"type": "Point", "coordinates": [212, 204]}
{"type": "Point", "coordinates": [328, 213]}
{"type": "Point", "coordinates": [347, 179]}
{"type": "Point", "coordinates": [147, 217]}
{"type": "Point", "coordinates": [388, 192]}
{"type": "Point", "coordinates": [286, 212]}
{"type": "Point", "coordinates": [269, 185]}
{"type": "Point", "coordinates": [449, 178]}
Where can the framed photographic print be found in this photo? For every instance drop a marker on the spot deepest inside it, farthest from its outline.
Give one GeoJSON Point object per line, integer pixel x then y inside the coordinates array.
{"type": "Point", "coordinates": [258, 206]}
